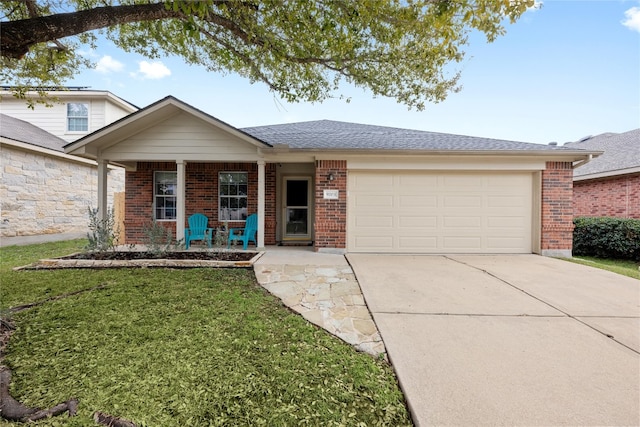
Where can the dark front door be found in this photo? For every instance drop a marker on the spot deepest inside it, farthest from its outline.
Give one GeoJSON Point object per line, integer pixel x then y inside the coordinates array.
{"type": "Point", "coordinates": [297, 193]}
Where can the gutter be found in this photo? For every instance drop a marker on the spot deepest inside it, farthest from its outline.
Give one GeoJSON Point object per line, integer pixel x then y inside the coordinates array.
{"type": "Point", "coordinates": [583, 162]}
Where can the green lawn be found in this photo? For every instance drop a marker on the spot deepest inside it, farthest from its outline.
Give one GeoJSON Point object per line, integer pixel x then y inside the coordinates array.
{"type": "Point", "coordinates": [624, 267]}
{"type": "Point", "coordinates": [192, 347]}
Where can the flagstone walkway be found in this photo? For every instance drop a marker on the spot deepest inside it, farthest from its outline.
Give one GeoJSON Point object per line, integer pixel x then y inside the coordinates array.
{"type": "Point", "coordinates": [324, 290]}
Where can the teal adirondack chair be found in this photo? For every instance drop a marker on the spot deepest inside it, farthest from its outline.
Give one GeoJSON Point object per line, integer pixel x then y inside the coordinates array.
{"type": "Point", "coordinates": [247, 233]}
{"type": "Point", "coordinates": [198, 230]}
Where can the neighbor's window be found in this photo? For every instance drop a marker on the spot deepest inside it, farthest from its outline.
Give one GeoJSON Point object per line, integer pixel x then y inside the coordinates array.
{"type": "Point", "coordinates": [165, 185]}
{"type": "Point", "coordinates": [77, 117]}
{"type": "Point", "coordinates": [233, 196]}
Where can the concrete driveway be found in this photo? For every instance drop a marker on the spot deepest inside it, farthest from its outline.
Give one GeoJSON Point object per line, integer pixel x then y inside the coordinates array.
{"type": "Point", "coordinates": [507, 340]}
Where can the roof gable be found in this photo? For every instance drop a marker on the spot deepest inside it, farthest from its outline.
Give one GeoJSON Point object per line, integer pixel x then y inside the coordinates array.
{"type": "Point", "coordinates": [107, 138]}
{"type": "Point", "coordinates": [621, 154]}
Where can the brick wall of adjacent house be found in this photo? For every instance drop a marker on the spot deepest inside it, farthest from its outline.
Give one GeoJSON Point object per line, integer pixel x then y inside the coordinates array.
{"type": "Point", "coordinates": [201, 196]}
{"type": "Point", "coordinates": [330, 215]}
{"type": "Point", "coordinates": [614, 197]}
{"type": "Point", "coordinates": [557, 208]}
{"type": "Point", "coordinates": [42, 194]}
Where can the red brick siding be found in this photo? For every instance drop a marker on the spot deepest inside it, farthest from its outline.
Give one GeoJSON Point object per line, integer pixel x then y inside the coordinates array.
{"type": "Point", "coordinates": [330, 215]}
{"type": "Point", "coordinates": [201, 195]}
{"type": "Point", "coordinates": [557, 206]}
{"type": "Point", "coordinates": [614, 197]}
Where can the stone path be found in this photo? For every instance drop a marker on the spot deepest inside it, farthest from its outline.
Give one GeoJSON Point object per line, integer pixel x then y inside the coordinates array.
{"type": "Point", "coordinates": [326, 295]}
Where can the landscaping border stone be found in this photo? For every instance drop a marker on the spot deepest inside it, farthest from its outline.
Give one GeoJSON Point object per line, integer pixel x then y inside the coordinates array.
{"type": "Point", "coordinates": [60, 263]}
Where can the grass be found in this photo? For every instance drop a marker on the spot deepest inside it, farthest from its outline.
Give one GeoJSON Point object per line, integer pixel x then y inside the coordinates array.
{"type": "Point", "coordinates": [624, 267]}
{"type": "Point", "coordinates": [198, 347]}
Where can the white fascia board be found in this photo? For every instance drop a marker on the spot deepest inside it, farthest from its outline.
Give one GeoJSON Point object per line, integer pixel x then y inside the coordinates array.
{"type": "Point", "coordinates": [547, 156]}
{"type": "Point", "coordinates": [607, 174]}
{"type": "Point", "coordinates": [91, 94]}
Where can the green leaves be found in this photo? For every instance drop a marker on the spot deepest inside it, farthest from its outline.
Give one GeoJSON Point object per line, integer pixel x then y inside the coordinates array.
{"type": "Point", "coordinates": [607, 237]}
{"type": "Point", "coordinates": [304, 50]}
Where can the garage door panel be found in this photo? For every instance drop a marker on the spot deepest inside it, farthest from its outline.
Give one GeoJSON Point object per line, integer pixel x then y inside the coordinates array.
{"type": "Point", "coordinates": [377, 221]}
{"type": "Point", "coordinates": [380, 181]}
{"type": "Point", "coordinates": [419, 222]}
{"type": "Point", "coordinates": [462, 201]}
{"type": "Point", "coordinates": [374, 200]}
{"type": "Point", "coordinates": [505, 201]}
{"type": "Point", "coordinates": [462, 221]}
{"type": "Point", "coordinates": [439, 212]}
{"type": "Point", "coordinates": [411, 201]}
{"type": "Point", "coordinates": [379, 242]}
{"type": "Point", "coordinates": [412, 181]}
{"type": "Point", "coordinates": [506, 222]}
{"type": "Point", "coordinates": [504, 242]}
{"type": "Point", "coordinates": [461, 182]}
{"type": "Point", "coordinates": [417, 244]}
{"type": "Point", "coordinates": [462, 243]}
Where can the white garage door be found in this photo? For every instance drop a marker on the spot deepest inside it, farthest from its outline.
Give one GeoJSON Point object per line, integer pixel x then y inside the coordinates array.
{"type": "Point", "coordinates": [424, 212]}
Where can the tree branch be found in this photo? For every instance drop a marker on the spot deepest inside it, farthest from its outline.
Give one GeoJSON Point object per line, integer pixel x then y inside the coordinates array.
{"type": "Point", "coordinates": [18, 36]}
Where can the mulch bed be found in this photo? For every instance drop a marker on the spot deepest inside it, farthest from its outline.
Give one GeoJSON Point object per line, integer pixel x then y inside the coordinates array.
{"type": "Point", "coordinates": [180, 255]}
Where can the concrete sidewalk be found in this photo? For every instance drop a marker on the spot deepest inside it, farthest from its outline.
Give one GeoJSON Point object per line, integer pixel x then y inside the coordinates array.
{"type": "Point", "coordinates": [507, 340]}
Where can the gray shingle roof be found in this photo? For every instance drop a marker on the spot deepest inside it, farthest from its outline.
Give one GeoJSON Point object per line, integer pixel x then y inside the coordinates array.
{"type": "Point", "coordinates": [328, 134]}
{"type": "Point", "coordinates": [19, 130]}
{"type": "Point", "coordinates": [621, 152]}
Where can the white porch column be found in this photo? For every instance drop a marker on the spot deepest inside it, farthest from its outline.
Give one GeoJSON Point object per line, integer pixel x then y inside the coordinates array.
{"type": "Point", "coordinates": [102, 189]}
{"type": "Point", "coordinates": [181, 200]}
{"type": "Point", "coordinates": [261, 193]}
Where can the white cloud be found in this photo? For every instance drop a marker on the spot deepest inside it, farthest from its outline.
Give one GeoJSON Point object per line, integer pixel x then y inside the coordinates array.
{"type": "Point", "coordinates": [632, 20]}
{"type": "Point", "coordinates": [152, 70]}
{"type": "Point", "coordinates": [107, 65]}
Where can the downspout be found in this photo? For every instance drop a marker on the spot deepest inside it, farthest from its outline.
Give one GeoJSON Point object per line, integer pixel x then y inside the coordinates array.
{"type": "Point", "coordinates": [583, 162]}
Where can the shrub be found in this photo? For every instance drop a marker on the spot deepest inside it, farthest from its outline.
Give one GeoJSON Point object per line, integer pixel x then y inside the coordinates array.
{"type": "Point", "coordinates": [103, 233]}
{"type": "Point", "coordinates": [606, 237]}
{"type": "Point", "coordinates": [157, 238]}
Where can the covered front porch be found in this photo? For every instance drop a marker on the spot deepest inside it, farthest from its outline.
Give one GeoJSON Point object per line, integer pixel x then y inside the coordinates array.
{"type": "Point", "coordinates": [180, 161]}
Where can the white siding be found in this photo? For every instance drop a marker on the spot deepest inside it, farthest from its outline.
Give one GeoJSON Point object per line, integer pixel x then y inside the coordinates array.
{"type": "Point", "coordinates": [54, 119]}
{"type": "Point", "coordinates": [182, 137]}
{"type": "Point", "coordinates": [113, 113]}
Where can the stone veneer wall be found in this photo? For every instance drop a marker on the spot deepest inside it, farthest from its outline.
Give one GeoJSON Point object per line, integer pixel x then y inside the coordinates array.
{"type": "Point", "coordinates": [331, 215]}
{"type": "Point", "coordinates": [42, 194]}
{"type": "Point", "coordinates": [614, 197]}
{"type": "Point", "coordinates": [557, 209]}
{"type": "Point", "coordinates": [201, 197]}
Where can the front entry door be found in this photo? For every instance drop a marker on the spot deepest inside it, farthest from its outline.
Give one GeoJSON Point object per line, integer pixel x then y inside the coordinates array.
{"type": "Point", "coordinates": [297, 192]}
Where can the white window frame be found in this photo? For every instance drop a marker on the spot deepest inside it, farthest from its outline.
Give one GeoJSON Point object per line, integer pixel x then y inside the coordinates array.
{"type": "Point", "coordinates": [227, 216]}
{"type": "Point", "coordinates": [157, 196]}
{"type": "Point", "coordinates": [76, 117]}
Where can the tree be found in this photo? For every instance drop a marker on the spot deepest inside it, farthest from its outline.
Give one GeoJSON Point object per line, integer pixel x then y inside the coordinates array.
{"type": "Point", "coordinates": [301, 49]}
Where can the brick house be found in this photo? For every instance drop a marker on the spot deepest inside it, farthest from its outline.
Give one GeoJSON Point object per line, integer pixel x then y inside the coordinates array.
{"type": "Point", "coordinates": [610, 184]}
{"type": "Point", "coordinates": [339, 186]}
{"type": "Point", "coordinates": [42, 189]}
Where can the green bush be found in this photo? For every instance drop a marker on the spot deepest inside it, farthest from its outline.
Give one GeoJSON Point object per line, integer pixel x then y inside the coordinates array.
{"type": "Point", "coordinates": [606, 237]}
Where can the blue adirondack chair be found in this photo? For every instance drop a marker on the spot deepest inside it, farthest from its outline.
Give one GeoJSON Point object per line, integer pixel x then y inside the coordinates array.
{"type": "Point", "coordinates": [247, 233]}
{"type": "Point", "coordinates": [198, 230]}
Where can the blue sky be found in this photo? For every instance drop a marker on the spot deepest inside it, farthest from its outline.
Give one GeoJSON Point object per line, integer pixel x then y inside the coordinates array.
{"type": "Point", "coordinates": [566, 70]}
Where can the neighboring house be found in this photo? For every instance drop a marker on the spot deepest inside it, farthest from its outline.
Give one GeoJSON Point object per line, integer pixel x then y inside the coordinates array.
{"type": "Point", "coordinates": [610, 184]}
{"type": "Point", "coordinates": [340, 186]}
{"type": "Point", "coordinates": [76, 113]}
{"type": "Point", "coordinates": [42, 189]}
